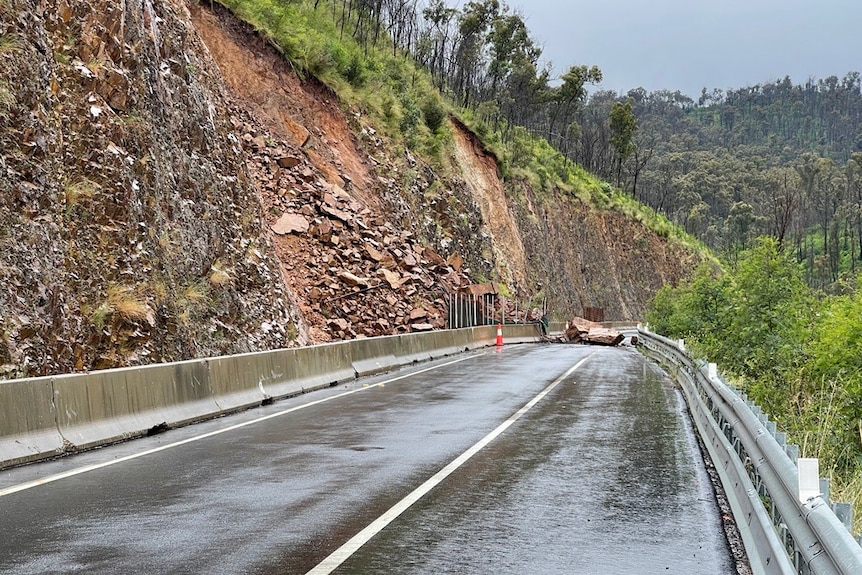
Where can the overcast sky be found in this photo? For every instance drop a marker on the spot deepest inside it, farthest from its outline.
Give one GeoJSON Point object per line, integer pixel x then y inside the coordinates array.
{"type": "Point", "coordinates": [687, 45]}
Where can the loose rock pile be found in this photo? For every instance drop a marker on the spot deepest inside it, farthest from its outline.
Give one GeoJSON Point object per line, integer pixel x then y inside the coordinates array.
{"type": "Point", "coordinates": [353, 271]}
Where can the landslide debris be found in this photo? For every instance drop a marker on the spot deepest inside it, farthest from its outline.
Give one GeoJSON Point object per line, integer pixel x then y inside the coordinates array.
{"type": "Point", "coordinates": [364, 252]}
{"type": "Point", "coordinates": [580, 330]}
{"type": "Point", "coordinates": [170, 188]}
{"type": "Point", "coordinates": [354, 271]}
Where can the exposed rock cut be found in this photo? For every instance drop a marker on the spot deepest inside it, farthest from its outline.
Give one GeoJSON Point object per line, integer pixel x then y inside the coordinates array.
{"type": "Point", "coordinates": [129, 232]}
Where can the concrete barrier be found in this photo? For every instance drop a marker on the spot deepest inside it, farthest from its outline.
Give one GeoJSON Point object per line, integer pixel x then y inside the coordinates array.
{"type": "Point", "coordinates": [114, 405]}
{"type": "Point", "coordinates": [373, 355]}
{"type": "Point", "coordinates": [459, 341]}
{"type": "Point", "coordinates": [521, 333]}
{"type": "Point", "coordinates": [43, 417]}
{"type": "Point", "coordinates": [308, 368]}
{"type": "Point", "coordinates": [414, 347]}
{"type": "Point", "coordinates": [238, 381]}
{"type": "Point", "coordinates": [446, 343]}
{"type": "Point", "coordinates": [556, 327]}
{"type": "Point", "coordinates": [28, 424]}
{"type": "Point", "coordinates": [620, 325]}
{"type": "Point", "coordinates": [482, 336]}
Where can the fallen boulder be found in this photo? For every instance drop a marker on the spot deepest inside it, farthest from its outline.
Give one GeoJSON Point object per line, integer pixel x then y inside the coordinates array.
{"type": "Point", "coordinates": [586, 331]}
{"type": "Point", "coordinates": [604, 336]}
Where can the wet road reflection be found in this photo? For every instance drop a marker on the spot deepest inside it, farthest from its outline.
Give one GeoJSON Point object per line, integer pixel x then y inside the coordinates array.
{"type": "Point", "coordinates": [601, 476]}
{"type": "Point", "coordinates": [605, 478]}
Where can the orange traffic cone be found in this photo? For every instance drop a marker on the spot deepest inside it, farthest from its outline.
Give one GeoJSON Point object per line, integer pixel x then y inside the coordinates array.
{"type": "Point", "coordinates": [499, 335]}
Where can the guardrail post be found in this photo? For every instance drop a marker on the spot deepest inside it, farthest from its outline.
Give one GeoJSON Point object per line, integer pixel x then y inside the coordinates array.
{"type": "Point", "coordinates": [824, 489]}
{"type": "Point", "coordinates": [792, 452]}
{"type": "Point", "coordinates": [771, 427]}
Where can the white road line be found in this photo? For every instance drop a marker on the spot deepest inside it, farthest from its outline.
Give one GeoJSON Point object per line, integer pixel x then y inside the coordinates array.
{"type": "Point", "coordinates": [88, 468]}
{"type": "Point", "coordinates": [340, 555]}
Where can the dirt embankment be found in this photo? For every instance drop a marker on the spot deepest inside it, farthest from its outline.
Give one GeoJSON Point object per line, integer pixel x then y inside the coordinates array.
{"type": "Point", "coordinates": [575, 255]}
{"type": "Point", "coordinates": [304, 114]}
{"type": "Point", "coordinates": [479, 169]}
{"type": "Point", "coordinates": [588, 258]}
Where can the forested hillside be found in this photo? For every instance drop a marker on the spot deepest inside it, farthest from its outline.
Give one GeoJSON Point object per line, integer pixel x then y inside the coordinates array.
{"type": "Point", "coordinates": [776, 159]}
{"type": "Point", "coordinates": [771, 177]}
{"type": "Point", "coordinates": [781, 158]}
{"type": "Point", "coordinates": [458, 90]}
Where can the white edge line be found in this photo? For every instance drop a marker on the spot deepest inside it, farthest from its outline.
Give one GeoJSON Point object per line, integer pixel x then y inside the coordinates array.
{"type": "Point", "coordinates": [95, 466]}
{"type": "Point", "coordinates": [340, 555]}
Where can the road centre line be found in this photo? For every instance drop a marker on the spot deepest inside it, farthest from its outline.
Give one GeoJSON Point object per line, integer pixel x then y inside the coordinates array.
{"type": "Point", "coordinates": [340, 555]}
{"type": "Point", "coordinates": [87, 468]}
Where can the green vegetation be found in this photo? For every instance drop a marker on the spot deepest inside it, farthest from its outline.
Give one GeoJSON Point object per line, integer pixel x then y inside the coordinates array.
{"type": "Point", "coordinates": [775, 159]}
{"type": "Point", "coordinates": [318, 39]}
{"type": "Point", "coordinates": [781, 162]}
{"type": "Point", "coordinates": [10, 43]}
{"type": "Point", "coordinates": [797, 352]}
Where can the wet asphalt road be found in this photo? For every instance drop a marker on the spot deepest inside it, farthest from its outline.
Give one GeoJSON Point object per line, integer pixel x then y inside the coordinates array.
{"type": "Point", "coordinates": [602, 475]}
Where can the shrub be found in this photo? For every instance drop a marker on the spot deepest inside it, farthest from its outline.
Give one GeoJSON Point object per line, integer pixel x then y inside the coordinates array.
{"type": "Point", "coordinates": [433, 113]}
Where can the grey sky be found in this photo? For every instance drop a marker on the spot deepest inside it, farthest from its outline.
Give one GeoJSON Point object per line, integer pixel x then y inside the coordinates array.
{"type": "Point", "coordinates": [690, 44]}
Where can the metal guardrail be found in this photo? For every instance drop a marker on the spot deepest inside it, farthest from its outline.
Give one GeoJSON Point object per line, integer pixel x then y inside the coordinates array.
{"type": "Point", "coordinates": [782, 533]}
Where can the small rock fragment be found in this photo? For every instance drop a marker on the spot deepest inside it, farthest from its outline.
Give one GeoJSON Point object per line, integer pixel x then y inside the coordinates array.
{"type": "Point", "coordinates": [290, 223]}
{"type": "Point", "coordinates": [288, 162]}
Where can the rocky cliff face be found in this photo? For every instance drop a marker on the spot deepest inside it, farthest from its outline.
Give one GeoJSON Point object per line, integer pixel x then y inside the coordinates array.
{"type": "Point", "coordinates": [129, 230]}
{"type": "Point", "coordinates": [169, 189]}
{"type": "Point", "coordinates": [576, 256]}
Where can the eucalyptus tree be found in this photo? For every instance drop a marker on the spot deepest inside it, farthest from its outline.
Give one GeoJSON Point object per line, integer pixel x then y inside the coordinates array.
{"type": "Point", "coordinates": [401, 23]}
{"type": "Point", "coordinates": [623, 126]}
{"type": "Point", "coordinates": [433, 49]}
{"type": "Point", "coordinates": [568, 97]}
{"type": "Point", "coordinates": [853, 174]}
{"type": "Point", "coordinates": [515, 80]}
{"type": "Point", "coordinates": [782, 201]}
{"type": "Point", "coordinates": [474, 25]}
